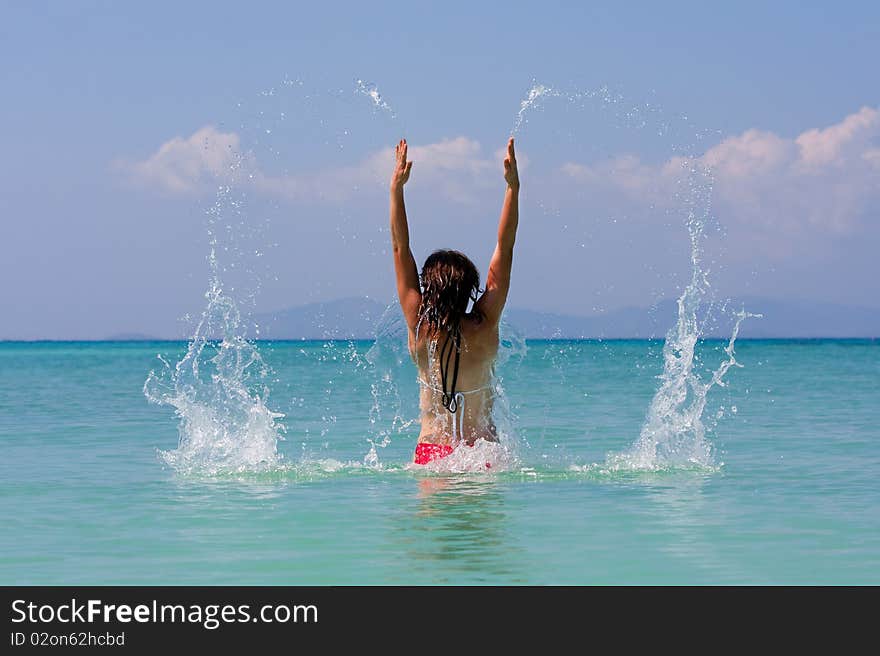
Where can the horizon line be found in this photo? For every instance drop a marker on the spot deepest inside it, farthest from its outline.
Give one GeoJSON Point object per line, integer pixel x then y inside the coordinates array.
{"type": "Point", "coordinates": [299, 340]}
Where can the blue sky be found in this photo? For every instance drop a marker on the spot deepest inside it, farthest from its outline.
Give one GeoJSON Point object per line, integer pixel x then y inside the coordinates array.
{"type": "Point", "coordinates": [96, 241]}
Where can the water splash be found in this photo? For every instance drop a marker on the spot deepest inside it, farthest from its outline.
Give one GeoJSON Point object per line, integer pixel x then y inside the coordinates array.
{"type": "Point", "coordinates": [534, 94]}
{"type": "Point", "coordinates": [218, 389]}
{"type": "Point", "coordinates": [673, 434]}
{"type": "Point", "coordinates": [482, 457]}
{"type": "Point", "coordinates": [372, 92]}
{"type": "Point", "coordinates": [682, 136]}
{"type": "Point", "coordinates": [392, 412]}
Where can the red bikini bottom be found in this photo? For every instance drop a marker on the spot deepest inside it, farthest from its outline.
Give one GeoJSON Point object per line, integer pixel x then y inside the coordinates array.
{"type": "Point", "coordinates": [426, 452]}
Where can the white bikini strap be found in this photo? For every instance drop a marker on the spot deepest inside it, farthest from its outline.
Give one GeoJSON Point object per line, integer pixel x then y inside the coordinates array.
{"type": "Point", "coordinates": [458, 422]}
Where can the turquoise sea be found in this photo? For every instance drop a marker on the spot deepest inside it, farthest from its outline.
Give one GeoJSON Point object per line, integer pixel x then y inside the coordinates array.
{"type": "Point", "coordinates": [789, 492]}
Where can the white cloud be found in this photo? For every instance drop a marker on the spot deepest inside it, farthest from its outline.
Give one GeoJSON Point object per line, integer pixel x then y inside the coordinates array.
{"type": "Point", "coordinates": [627, 174]}
{"type": "Point", "coordinates": [823, 180]}
{"type": "Point", "coordinates": [455, 168]}
{"type": "Point", "coordinates": [183, 165]}
{"type": "Point", "coordinates": [835, 144]}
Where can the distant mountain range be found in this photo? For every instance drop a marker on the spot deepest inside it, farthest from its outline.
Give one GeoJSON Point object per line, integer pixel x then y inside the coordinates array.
{"type": "Point", "coordinates": [355, 318]}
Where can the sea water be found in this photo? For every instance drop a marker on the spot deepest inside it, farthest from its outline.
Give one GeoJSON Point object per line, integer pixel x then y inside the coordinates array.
{"type": "Point", "coordinates": [87, 494]}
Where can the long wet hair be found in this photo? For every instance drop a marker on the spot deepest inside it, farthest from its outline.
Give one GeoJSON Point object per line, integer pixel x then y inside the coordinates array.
{"type": "Point", "coordinates": [449, 282]}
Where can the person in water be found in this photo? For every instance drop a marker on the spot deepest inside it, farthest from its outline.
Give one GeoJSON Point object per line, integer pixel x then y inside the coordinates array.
{"type": "Point", "coordinates": [454, 349]}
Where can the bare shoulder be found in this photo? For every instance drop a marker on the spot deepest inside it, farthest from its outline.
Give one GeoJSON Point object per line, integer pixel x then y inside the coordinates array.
{"type": "Point", "coordinates": [480, 330]}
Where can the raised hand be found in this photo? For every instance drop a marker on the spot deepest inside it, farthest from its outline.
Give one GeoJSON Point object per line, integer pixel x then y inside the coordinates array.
{"type": "Point", "coordinates": [400, 176]}
{"type": "Point", "coordinates": [491, 303]}
{"type": "Point", "coordinates": [511, 174]}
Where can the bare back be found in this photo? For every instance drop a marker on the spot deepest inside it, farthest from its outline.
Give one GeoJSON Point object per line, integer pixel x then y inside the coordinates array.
{"type": "Point", "coordinates": [472, 418]}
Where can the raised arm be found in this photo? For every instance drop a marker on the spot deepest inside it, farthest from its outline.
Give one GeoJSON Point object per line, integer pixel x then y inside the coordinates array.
{"type": "Point", "coordinates": [408, 291]}
{"type": "Point", "coordinates": [491, 303]}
